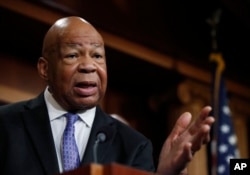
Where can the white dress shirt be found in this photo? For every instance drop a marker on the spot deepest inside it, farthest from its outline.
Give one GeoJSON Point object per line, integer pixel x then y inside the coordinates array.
{"type": "Point", "coordinates": [58, 123]}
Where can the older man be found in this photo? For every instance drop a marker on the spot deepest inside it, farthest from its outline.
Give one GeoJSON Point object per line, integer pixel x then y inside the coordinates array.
{"type": "Point", "coordinates": [38, 136]}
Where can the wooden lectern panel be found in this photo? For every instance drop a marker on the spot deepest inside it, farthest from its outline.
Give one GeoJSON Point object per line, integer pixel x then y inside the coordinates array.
{"type": "Point", "coordinates": [108, 169]}
{"type": "Point", "coordinates": [118, 169]}
{"type": "Point", "coordinates": [91, 169]}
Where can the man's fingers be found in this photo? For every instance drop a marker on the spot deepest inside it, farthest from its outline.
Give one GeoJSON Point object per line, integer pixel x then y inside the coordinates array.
{"type": "Point", "coordinates": [180, 125]}
{"type": "Point", "coordinates": [200, 129]}
{"type": "Point", "coordinates": [201, 137]}
{"type": "Point", "coordinates": [203, 119]}
{"type": "Point", "coordinates": [204, 113]}
{"type": "Point", "coordinates": [185, 139]}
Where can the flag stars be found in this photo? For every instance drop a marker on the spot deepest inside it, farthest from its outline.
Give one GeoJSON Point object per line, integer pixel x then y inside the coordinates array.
{"type": "Point", "coordinates": [226, 110]}
{"type": "Point", "coordinates": [226, 145]}
{"type": "Point", "coordinates": [221, 169]}
{"type": "Point", "coordinates": [230, 156]}
{"type": "Point", "coordinates": [232, 139]}
{"type": "Point", "coordinates": [223, 148]}
{"type": "Point", "coordinates": [225, 128]}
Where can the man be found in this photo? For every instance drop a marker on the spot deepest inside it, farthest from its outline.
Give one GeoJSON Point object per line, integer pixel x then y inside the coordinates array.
{"type": "Point", "coordinates": [73, 64]}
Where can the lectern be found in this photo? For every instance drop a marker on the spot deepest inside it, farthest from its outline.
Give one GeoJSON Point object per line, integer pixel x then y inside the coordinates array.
{"type": "Point", "coordinates": [108, 169]}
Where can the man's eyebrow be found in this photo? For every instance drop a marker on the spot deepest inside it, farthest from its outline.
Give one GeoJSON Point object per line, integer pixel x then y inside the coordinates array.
{"type": "Point", "coordinates": [96, 44]}
{"type": "Point", "coordinates": [73, 44]}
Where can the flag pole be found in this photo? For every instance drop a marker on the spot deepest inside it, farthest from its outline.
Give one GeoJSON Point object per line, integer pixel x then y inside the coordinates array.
{"type": "Point", "coordinates": [216, 57]}
{"type": "Point", "coordinates": [223, 145]}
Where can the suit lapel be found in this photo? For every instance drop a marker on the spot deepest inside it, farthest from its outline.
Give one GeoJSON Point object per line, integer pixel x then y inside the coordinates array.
{"type": "Point", "coordinates": [104, 124]}
{"type": "Point", "coordinates": [37, 122]}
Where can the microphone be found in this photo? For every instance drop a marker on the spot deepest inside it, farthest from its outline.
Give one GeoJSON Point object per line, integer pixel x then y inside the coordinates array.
{"type": "Point", "coordinates": [100, 138]}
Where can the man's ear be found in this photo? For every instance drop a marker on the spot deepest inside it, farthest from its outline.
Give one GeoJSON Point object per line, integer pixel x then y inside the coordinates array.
{"type": "Point", "coordinates": [42, 67]}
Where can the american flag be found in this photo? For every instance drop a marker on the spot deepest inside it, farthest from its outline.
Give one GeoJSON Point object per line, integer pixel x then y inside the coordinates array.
{"type": "Point", "coordinates": [224, 142]}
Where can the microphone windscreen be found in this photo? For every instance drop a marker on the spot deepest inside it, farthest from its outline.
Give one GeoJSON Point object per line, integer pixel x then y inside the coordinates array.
{"type": "Point", "coordinates": [104, 133]}
{"type": "Point", "coordinates": [101, 136]}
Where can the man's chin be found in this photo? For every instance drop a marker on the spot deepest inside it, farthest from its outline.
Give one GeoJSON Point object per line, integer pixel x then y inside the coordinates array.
{"type": "Point", "coordinates": [86, 103]}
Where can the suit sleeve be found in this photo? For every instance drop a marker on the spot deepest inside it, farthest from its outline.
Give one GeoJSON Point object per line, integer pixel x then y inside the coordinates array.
{"type": "Point", "coordinates": [143, 158]}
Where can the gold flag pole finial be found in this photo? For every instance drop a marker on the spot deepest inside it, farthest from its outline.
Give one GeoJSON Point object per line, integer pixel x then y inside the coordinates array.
{"type": "Point", "coordinates": [213, 22]}
{"type": "Point", "coordinates": [215, 56]}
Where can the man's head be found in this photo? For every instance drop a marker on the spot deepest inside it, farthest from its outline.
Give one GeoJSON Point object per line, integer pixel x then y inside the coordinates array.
{"type": "Point", "coordinates": [73, 63]}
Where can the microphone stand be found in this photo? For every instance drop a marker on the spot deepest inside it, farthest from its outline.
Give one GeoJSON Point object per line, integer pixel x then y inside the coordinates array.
{"type": "Point", "coordinates": [101, 137]}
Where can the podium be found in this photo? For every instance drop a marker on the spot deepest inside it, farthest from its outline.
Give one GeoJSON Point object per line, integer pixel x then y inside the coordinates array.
{"type": "Point", "coordinates": [108, 169]}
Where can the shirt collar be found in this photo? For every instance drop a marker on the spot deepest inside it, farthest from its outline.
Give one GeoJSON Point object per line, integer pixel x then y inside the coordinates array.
{"type": "Point", "coordinates": [56, 111]}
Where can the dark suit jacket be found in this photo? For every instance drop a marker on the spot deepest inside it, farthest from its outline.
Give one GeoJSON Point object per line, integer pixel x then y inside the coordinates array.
{"type": "Point", "coordinates": [27, 146]}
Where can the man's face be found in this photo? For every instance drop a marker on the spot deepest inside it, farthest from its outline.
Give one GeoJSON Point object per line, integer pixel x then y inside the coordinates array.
{"type": "Point", "coordinates": [77, 74]}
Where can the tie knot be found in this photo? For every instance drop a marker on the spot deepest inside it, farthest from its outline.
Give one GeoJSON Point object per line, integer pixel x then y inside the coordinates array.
{"type": "Point", "coordinates": [71, 117]}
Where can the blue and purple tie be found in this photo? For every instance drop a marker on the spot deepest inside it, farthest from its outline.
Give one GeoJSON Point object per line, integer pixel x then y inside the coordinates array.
{"type": "Point", "coordinates": [71, 159]}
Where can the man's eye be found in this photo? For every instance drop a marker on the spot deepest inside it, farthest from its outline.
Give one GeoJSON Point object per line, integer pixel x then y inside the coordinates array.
{"type": "Point", "coordinates": [97, 56]}
{"type": "Point", "coordinates": [71, 56]}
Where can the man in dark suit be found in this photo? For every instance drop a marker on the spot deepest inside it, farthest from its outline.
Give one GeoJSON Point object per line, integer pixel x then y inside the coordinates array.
{"type": "Point", "coordinates": [73, 63]}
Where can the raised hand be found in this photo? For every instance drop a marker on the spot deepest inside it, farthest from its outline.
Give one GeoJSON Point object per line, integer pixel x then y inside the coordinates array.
{"type": "Point", "coordinates": [185, 139]}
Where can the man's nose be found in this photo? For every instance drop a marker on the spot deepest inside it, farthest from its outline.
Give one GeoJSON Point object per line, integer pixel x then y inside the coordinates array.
{"type": "Point", "coordinates": [87, 64]}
